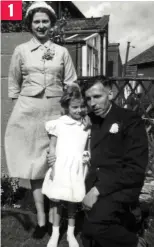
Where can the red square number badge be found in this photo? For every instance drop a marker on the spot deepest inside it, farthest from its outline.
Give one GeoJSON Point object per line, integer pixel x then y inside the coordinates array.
{"type": "Point", "coordinates": [11, 10]}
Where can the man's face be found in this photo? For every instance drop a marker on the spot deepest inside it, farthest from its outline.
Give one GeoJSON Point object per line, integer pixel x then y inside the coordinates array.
{"type": "Point", "coordinates": [99, 99]}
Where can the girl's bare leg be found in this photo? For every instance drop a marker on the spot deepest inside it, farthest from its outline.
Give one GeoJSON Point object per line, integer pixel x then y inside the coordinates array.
{"type": "Point", "coordinates": [71, 225]}
{"type": "Point", "coordinates": [53, 241]}
{"type": "Point", "coordinates": [51, 215]}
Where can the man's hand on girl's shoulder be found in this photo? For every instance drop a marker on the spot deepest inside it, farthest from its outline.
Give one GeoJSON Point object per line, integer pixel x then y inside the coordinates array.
{"type": "Point", "coordinates": [86, 122]}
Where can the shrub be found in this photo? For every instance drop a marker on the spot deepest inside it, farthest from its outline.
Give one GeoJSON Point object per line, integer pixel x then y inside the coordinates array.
{"type": "Point", "coordinates": [10, 190]}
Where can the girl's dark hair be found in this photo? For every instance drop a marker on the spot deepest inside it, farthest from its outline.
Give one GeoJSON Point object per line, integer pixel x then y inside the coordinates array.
{"type": "Point", "coordinates": [29, 18]}
{"type": "Point", "coordinates": [71, 92]}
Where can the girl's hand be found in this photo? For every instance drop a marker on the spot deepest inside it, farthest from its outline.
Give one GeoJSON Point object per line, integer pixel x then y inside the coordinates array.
{"type": "Point", "coordinates": [51, 158]}
{"type": "Point", "coordinates": [86, 158]}
{"type": "Point", "coordinates": [52, 174]}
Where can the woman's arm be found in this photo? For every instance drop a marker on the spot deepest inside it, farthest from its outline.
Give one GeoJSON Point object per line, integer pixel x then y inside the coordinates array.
{"type": "Point", "coordinates": [15, 76]}
{"type": "Point", "coordinates": [69, 70]}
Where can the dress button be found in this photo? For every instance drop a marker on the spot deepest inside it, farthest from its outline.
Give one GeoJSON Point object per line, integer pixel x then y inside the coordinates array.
{"type": "Point", "coordinates": [97, 169]}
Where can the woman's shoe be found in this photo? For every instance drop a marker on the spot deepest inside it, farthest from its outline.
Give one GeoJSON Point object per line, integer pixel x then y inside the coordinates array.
{"type": "Point", "coordinates": [39, 232]}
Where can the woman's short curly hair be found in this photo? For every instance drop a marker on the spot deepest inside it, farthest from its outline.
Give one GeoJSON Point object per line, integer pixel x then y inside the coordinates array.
{"type": "Point", "coordinates": [72, 92]}
{"type": "Point", "coordinates": [29, 18]}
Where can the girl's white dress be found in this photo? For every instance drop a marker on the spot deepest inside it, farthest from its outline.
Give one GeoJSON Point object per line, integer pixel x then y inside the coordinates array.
{"type": "Point", "coordinates": [68, 183]}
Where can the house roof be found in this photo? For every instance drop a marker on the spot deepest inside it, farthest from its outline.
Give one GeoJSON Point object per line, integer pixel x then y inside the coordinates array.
{"type": "Point", "coordinates": [87, 23]}
{"type": "Point", "coordinates": [145, 57]}
{"type": "Point", "coordinates": [76, 38]}
{"type": "Point", "coordinates": [79, 37]}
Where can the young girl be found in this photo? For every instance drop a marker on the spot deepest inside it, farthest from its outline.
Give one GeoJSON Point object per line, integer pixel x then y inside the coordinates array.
{"type": "Point", "coordinates": [65, 180]}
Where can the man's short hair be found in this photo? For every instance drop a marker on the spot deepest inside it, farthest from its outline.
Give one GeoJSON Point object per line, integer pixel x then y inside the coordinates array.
{"type": "Point", "coordinates": [91, 81]}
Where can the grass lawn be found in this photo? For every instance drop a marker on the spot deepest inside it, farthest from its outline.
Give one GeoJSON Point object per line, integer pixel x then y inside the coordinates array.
{"type": "Point", "coordinates": [18, 226]}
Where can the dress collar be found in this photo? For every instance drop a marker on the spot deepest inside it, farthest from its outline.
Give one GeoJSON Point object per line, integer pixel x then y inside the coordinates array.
{"type": "Point", "coordinates": [35, 44]}
{"type": "Point", "coordinates": [70, 121]}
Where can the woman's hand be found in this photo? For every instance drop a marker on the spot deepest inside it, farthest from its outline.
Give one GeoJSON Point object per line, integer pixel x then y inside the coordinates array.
{"type": "Point", "coordinates": [51, 158]}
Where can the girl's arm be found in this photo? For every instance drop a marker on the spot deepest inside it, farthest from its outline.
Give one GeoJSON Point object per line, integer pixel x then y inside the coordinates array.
{"type": "Point", "coordinates": [52, 154]}
{"type": "Point", "coordinates": [69, 70]}
{"type": "Point", "coordinates": [51, 157]}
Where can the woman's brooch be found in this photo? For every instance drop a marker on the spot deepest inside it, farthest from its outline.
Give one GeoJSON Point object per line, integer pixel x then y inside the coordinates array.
{"type": "Point", "coordinates": [48, 54]}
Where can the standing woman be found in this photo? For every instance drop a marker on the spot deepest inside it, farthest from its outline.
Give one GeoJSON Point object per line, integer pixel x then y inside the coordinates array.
{"type": "Point", "coordinates": [38, 71]}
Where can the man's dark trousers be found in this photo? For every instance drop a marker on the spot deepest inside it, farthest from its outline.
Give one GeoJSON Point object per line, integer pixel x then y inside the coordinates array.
{"type": "Point", "coordinates": [109, 235]}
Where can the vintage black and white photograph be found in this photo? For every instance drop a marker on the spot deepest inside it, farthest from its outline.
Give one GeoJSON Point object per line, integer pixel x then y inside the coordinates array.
{"type": "Point", "coordinates": [77, 124]}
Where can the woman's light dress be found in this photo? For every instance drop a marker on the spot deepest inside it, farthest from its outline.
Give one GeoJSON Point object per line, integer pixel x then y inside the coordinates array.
{"type": "Point", "coordinates": [37, 84]}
